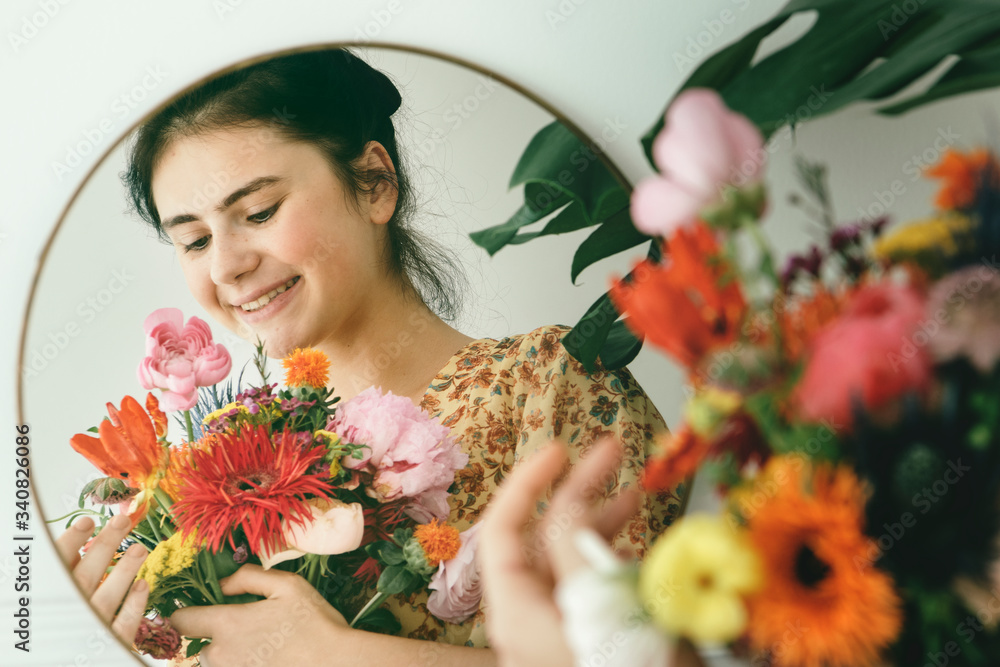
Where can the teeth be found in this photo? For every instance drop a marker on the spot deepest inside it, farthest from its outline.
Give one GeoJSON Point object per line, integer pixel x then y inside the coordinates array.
{"type": "Point", "coordinates": [264, 300]}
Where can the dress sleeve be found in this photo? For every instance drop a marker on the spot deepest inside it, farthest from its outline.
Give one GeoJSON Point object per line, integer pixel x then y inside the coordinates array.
{"type": "Point", "coordinates": [555, 397]}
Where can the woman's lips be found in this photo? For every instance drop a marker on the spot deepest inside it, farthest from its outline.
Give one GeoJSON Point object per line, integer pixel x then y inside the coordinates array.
{"type": "Point", "coordinates": [271, 308]}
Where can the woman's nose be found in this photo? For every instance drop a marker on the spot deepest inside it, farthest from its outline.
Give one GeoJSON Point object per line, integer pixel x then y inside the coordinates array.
{"type": "Point", "coordinates": [233, 254]}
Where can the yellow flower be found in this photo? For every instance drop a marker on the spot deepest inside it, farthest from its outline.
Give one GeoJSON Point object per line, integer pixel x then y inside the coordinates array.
{"type": "Point", "coordinates": [695, 577]}
{"type": "Point", "coordinates": [927, 243]}
{"type": "Point", "coordinates": [709, 410]}
{"type": "Point", "coordinates": [307, 366]}
{"type": "Point", "coordinates": [170, 557]}
{"type": "Point", "coordinates": [212, 416]}
{"type": "Point", "coordinates": [332, 441]}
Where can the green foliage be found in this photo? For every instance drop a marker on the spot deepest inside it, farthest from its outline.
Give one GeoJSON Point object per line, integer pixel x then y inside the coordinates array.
{"type": "Point", "coordinates": [855, 51]}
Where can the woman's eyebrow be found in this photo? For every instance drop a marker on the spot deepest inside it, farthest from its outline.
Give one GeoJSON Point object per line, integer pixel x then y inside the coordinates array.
{"type": "Point", "coordinates": [236, 195]}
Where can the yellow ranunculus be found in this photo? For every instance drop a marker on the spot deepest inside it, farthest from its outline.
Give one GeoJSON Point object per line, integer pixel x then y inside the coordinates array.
{"type": "Point", "coordinates": [695, 577]}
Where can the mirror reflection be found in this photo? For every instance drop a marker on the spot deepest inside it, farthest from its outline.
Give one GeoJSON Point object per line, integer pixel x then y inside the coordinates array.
{"type": "Point", "coordinates": [289, 232]}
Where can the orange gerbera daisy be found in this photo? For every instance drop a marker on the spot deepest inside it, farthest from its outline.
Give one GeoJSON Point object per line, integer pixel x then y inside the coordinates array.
{"type": "Point", "coordinates": [688, 305]}
{"type": "Point", "coordinates": [681, 454]}
{"type": "Point", "coordinates": [818, 608]}
{"type": "Point", "coordinates": [126, 448]}
{"type": "Point", "coordinates": [962, 174]}
{"type": "Point", "coordinates": [307, 366]}
{"type": "Point", "coordinates": [439, 541]}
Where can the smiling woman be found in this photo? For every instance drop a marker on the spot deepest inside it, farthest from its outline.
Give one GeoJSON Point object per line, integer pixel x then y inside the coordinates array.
{"type": "Point", "coordinates": [289, 207]}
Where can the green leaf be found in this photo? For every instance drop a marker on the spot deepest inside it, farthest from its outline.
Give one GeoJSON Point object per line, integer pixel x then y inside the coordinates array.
{"type": "Point", "coordinates": [977, 70]}
{"type": "Point", "coordinates": [557, 169]}
{"type": "Point", "coordinates": [380, 620]}
{"type": "Point", "coordinates": [613, 236]}
{"type": "Point", "coordinates": [620, 347]}
{"type": "Point", "coordinates": [397, 580]}
{"type": "Point", "coordinates": [388, 553]}
{"type": "Point", "coordinates": [196, 646]}
{"type": "Point", "coordinates": [585, 340]}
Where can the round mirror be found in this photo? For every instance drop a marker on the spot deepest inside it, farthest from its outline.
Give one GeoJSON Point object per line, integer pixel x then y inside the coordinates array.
{"type": "Point", "coordinates": [461, 134]}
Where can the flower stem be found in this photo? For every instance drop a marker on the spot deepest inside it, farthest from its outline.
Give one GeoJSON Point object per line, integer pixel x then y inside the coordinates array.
{"type": "Point", "coordinates": [190, 426]}
{"type": "Point", "coordinates": [372, 605]}
{"type": "Point", "coordinates": [212, 579]}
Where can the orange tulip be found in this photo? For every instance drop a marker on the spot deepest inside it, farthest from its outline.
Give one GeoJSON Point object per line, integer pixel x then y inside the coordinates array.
{"type": "Point", "coordinates": [690, 304]}
{"type": "Point", "coordinates": [127, 448]}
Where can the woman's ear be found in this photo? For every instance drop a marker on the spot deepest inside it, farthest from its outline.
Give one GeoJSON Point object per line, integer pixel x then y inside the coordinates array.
{"type": "Point", "coordinates": [382, 200]}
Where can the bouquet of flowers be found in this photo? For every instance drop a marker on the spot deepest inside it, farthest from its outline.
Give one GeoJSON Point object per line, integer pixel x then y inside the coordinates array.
{"type": "Point", "coordinates": [348, 495]}
{"type": "Point", "coordinates": [847, 408]}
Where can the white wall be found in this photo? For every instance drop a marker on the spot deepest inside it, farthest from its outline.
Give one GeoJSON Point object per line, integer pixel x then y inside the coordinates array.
{"type": "Point", "coordinates": [599, 64]}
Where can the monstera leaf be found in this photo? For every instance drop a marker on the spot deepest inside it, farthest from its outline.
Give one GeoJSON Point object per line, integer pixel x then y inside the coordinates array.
{"type": "Point", "coordinates": [855, 51]}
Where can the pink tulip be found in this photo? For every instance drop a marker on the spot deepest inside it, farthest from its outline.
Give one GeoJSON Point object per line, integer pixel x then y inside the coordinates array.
{"type": "Point", "coordinates": [702, 148]}
{"type": "Point", "coordinates": [180, 358]}
{"type": "Point", "coordinates": [336, 528]}
{"type": "Point", "coordinates": [456, 588]}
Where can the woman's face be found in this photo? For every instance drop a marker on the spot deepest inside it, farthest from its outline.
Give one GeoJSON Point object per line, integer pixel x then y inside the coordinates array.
{"type": "Point", "coordinates": [268, 238]}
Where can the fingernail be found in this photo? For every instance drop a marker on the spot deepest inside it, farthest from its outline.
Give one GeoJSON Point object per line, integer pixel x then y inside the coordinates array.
{"type": "Point", "coordinates": [137, 551]}
{"type": "Point", "coordinates": [120, 521]}
{"type": "Point", "coordinates": [84, 525]}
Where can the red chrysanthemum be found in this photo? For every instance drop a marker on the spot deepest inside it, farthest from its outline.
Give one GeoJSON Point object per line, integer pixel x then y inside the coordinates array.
{"type": "Point", "coordinates": [250, 480]}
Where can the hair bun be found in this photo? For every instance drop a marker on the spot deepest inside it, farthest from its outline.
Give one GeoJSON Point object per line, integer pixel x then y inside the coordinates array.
{"type": "Point", "coordinates": [374, 84]}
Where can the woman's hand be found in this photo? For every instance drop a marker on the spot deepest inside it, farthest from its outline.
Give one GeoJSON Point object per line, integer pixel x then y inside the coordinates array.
{"type": "Point", "coordinates": [107, 597]}
{"type": "Point", "coordinates": [296, 626]}
{"type": "Point", "coordinates": [293, 626]}
{"type": "Point", "coordinates": [520, 571]}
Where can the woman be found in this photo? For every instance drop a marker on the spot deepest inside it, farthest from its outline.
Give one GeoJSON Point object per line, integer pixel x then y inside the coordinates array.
{"type": "Point", "coordinates": [281, 188]}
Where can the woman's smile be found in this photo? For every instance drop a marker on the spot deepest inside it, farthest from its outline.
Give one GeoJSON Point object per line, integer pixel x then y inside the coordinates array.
{"type": "Point", "coordinates": [268, 304]}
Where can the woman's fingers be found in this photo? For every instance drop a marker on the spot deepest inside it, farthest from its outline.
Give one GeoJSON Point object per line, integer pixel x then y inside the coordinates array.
{"type": "Point", "coordinates": [616, 513]}
{"type": "Point", "coordinates": [515, 502]}
{"type": "Point", "coordinates": [109, 594]}
{"type": "Point", "coordinates": [127, 621]}
{"type": "Point", "coordinates": [92, 567]}
{"type": "Point", "coordinates": [70, 542]}
{"type": "Point", "coordinates": [589, 479]}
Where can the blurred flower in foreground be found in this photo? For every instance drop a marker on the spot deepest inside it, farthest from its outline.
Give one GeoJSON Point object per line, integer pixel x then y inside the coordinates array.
{"type": "Point", "coordinates": [865, 357]}
{"type": "Point", "coordinates": [706, 154]}
{"type": "Point", "coordinates": [690, 304]}
{"type": "Point", "coordinates": [694, 580]}
{"type": "Point", "coordinates": [817, 569]}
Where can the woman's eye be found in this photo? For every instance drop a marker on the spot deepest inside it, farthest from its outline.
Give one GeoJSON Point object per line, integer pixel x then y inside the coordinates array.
{"type": "Point", "coordinates": [265, 215]}
{"type": "Point", "coordinates": [197, 245]}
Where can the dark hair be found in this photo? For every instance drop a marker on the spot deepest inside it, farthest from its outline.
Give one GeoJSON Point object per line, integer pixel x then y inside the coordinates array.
{"type": "Point", "coordinates": [331, 99]}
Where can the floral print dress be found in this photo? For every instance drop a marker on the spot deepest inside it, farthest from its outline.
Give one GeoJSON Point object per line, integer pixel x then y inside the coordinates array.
{"type": "Point", "coordinates": [505, 399]}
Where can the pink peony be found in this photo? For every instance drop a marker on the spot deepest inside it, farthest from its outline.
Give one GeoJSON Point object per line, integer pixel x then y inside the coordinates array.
{"type": "Point", "coordinates": [456, 586]}
{"type": "Point", "coordinates": [336, 527]}
{"type": "Point", "coordinates": [702, 148]}
{"type": "Point", "coordinates": [409, 454]}
{"type": "Point", "coordinates": [180, 358]}
{"type": "Point", "coordinates": [867, 356]}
